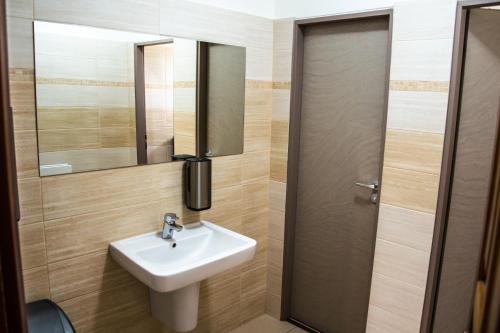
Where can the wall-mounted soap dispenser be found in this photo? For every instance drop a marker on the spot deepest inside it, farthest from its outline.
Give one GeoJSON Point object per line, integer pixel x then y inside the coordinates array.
{"type": "Point", "coordinates": [198, 183]}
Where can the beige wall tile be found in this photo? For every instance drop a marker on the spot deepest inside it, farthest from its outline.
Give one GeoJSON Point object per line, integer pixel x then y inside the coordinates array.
{"type": "Point", "coordinates": [32, 245]}
{"type": "Point", "coordinates": [253, 282]}
{"type": "Point", "coordinates": [95, 231]}
{"type": "Point", "coordinates": [417, 151]}
{"type": "Point", "coordinates": [405, 227]}
{"type": "Point", "coordinates": [410, 189]}
{"type": "Point", "coordinates": [401, 262]}
{"type": "Point", "coordinates": [26, 154]}
{"type": "Point", "coordinates": [108, 311]}
{"type": "Point", "coordinates": [281, 101]}
{"type": "Point", "coordinates": [417, 111]}
{"type": "Point", "coordinates": [20, 42]}
{"type": "Point", "coordinates": [258, 100]}
{"type": "Point", "coordinates": [273, 305]}
{"type": "Point", "coordinates": [252, 306]}
{"type": "Point", "coordinates": [22, 98]}
{"type": "Point", "coordinates": [226, 207]}
{"type": "Point", "coordinates": [396, 297]}
{"type": "Point", "coordinates": [382, 321]}
{"type": "Point", "coordinates": [256, 166]}
{"type": "Point", "coordinates": [275, 253]}
{"type": "Point", "coordinates": [255, 196]}
{"type": "Point", "coordinates": [85, 274]}
{"type": "Point", "coordinates": [277, 195]}
{"type": "Point", "coordinates": [76, 194]}
{"type": "Point", "coordinates": [226, 171]}
{"type": "Point", "coordinates": [427, 60]}
{"type": "Point", "coordinates": [30, 200]}
{"type": "Point", "coordinates": [282, 55]}
{"type": "Point", "coordinates": [36, 284]}
{"type": "Point", "coordinates": [20, 8]}
{"type": "Point", "coordinates": [224, 321]}
{"type": "Point", "coordinates": [279, 150]}
{"type": "Point", "coordinates": [439, 20]}
{"type": "Point", "coordinates": [254, 224]}
{"type": "Point", "coordinates": [257, 135]}
{"type": "Point", "coordinates": [218, 293]}
{"type": "Point", "coordinates": [274, 280]}
{"type": "Point", "coordinates": [276, 224]}
{"type": "Point", "coordinates": [128, 15]}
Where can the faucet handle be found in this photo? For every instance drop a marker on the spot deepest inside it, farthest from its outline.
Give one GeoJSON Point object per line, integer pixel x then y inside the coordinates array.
{"type": "Point", "coordinates": [170, 218]}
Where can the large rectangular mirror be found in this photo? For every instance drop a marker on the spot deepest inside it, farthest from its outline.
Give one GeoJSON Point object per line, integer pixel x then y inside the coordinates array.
{"type": "Point", "coordinates": [108, 99]}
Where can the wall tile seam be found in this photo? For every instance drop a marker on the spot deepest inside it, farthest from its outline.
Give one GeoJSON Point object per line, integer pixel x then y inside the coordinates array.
{"type": "Point", "coordinates": [420, 289]}
{"type": "Point", "coordinates": [428, 252]}
{"type": "Point", "coordinates": [414, 131]}
{"type": "Point", "coordinates": [389, 165]}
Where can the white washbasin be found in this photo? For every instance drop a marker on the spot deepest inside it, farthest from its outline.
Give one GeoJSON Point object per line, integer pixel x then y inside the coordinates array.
{"type": "Point", "coordinates": [174, 268]}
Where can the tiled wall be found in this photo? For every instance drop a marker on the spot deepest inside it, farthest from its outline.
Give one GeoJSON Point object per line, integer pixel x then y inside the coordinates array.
{"type": "Point", "coordinates": [68, 221]}
{"type": "Point", "coordinates": [420, 72]}
{"type": "Point", "coordinates": [85, 101]}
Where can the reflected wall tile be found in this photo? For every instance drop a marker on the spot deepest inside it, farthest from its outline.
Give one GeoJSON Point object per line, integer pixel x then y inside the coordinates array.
{"type": "Point", "coordinates": [128, 15]}
{"type": "Point", "coordinates": [20, 42]}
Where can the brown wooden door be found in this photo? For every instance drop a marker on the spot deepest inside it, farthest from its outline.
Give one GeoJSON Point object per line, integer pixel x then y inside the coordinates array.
{"type": "Point", "coordinates": [471, 176]}
{"type": "Point", "coordinates": [342, 130]}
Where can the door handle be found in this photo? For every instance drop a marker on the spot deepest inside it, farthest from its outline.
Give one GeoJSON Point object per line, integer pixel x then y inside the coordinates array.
{"type": "Point", "coordinates": [374, 187]}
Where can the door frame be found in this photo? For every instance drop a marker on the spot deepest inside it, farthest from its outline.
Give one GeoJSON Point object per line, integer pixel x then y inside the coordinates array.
{"type": "Point", "coordinates": [140, 98]}
{"type": "Point", "coordinates": [12, 298]}
{"type": "Point", "coordinates": [449, 148]}
{"type": "Point", "coordinates": [294, 138]}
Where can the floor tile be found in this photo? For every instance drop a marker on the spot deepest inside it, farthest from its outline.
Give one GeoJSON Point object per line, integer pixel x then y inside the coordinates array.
{"type": "Point", "coordinates": [266, 324]}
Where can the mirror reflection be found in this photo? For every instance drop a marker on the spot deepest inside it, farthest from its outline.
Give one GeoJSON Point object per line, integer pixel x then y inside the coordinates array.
{"type": "Point", "coordinates": [109, 99]}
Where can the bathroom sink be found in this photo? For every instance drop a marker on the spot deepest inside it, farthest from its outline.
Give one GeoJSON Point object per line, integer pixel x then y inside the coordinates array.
{"type": "Point", "coordinates": [195, 254]}
{"type": "Point", "coordinates": [173, 268]}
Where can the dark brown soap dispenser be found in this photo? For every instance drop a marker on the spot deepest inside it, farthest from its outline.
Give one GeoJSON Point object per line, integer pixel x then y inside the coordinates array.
{"type": "Point", "coordinates": [198, 183]}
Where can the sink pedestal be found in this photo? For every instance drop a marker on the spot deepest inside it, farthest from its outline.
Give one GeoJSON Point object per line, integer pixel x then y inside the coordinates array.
{"type": "Point", "coordinates": [177, 309]}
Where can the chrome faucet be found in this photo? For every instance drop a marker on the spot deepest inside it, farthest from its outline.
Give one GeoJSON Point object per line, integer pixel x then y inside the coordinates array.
{"type": "Point", "coordinates": [170, 225]}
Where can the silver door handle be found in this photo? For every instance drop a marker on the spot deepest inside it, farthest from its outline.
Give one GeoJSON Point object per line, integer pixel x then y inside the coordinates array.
{"type": "Point", "coordinates": [373, 187]}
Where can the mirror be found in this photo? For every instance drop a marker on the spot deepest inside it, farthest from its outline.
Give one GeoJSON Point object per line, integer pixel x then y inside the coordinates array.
{"type": "Point", "coordinates": [108, 99]}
